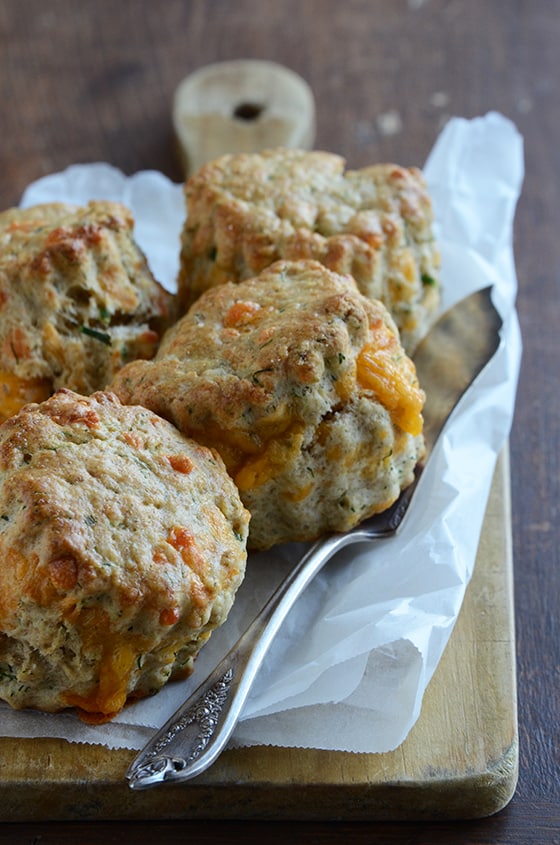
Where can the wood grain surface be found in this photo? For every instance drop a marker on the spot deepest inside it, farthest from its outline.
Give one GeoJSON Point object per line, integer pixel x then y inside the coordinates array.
{"type": "Point", "coordinates": [94, 81]}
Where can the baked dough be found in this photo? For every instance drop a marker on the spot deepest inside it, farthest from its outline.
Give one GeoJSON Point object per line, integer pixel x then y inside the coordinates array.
{"type": "Point", "coordinates": [122, 544]}
{"type": "Point", "coordinates": [302, 385]}
{"type": "Point", "coordinates": [245, 211]}
{"type": "Point", "coordinates": [77, 300]}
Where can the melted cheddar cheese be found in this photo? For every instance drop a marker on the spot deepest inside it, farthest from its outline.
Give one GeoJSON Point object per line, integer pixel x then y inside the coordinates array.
{"type": "Point", "coordinates": [383, 368]}
{"type": "Point", "coordinates": [277, 453]}
{"type": "Point", "coordinates": [117, 662]}
{"type": "Point", "coordinates": [253, 458]}
{"type": "Point", "coordinates": [109, 696]}
{"type": "Point", "coordinates": [15, 392]}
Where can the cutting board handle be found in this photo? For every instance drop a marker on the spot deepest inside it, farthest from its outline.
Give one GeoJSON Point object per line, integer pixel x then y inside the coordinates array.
{"type": "Point", "coordinates": [244, 105]}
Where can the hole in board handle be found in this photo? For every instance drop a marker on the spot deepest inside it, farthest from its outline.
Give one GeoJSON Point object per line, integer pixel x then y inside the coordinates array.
{"type": "Point", "coordinates": [248, 111]}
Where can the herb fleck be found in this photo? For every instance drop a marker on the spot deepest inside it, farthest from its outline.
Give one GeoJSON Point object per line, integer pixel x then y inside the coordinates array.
{"type": "Point", "coordinates": [95, 333]}
{"type": "Point", "coordinates": [257, 373]}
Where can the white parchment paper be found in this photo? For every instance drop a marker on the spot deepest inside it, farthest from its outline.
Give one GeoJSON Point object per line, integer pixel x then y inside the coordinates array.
{"type": "Point", "coordinates": [349, 668]}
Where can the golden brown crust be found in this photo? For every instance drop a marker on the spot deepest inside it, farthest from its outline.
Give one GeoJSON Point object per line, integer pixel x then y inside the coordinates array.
{"type": "Point", "coordinates": [122, 544]}
{"type": "Point", "coordinates": [302, 385]}
{"type": "Point", "coordinates": [77, 299]}
{"type": "Point", "coordinates": [246, 211]}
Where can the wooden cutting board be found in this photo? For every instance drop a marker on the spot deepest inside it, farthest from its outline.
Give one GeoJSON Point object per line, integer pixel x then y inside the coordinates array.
{"type": "Point", "coordinates": [459, 761]}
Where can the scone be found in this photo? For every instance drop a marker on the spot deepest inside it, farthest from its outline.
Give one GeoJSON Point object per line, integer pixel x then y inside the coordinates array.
{"type": "Point", "coordinates": [77, 300]}
{"type": "Point", "coordinates": [245, 211]}
{"type": "Point", "coordinates": [122, 544]}
{"type": "Point", "coordinates": [301, 383]}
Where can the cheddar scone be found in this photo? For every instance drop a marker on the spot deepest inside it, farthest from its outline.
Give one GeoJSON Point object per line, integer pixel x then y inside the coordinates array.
{"type": "Point", "coordinates": [77, 300]}
{"type": "Point", "coordinates": [245, 211]}
{"type": "Point", "coordinates": [122, 544]}
{"type": "Point", "coordinates": [302, 385]}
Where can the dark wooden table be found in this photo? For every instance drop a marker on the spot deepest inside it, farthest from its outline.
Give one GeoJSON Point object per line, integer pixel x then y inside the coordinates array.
{"type": "Point", "coordinates": [93, 81]}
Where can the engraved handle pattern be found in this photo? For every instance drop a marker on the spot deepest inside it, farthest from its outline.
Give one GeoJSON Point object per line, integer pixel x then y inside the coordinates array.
{"type": "Point", "coordinates": [192, 728]}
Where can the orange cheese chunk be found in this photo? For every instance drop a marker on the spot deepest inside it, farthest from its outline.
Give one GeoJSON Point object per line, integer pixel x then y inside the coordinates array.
{"type": "Point", "coordinates": [110, 694]}
{"type": "Point", "coordinates": [384, 368]}
{"type": "Point", "coordinates": [277, 453]}
{"type": "Point", "coordinates": [118, 660]}
{"type": "Point", "coordinates": [241, 313]}
{"type": "Point", "coordinates": [15, 392]}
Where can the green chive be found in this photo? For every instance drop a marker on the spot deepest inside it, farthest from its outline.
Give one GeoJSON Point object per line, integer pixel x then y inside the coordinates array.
{"type": "Point", "coordinates": [102, 336]}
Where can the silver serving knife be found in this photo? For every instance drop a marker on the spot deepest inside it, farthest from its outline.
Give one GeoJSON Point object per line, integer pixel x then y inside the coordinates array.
{"type": "Point", "coordinates": [448, 360]}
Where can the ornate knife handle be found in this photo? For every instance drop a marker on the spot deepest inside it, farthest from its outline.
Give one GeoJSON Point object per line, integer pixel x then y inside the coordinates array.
{"type": "Point", "coordinates": [174, 752]}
